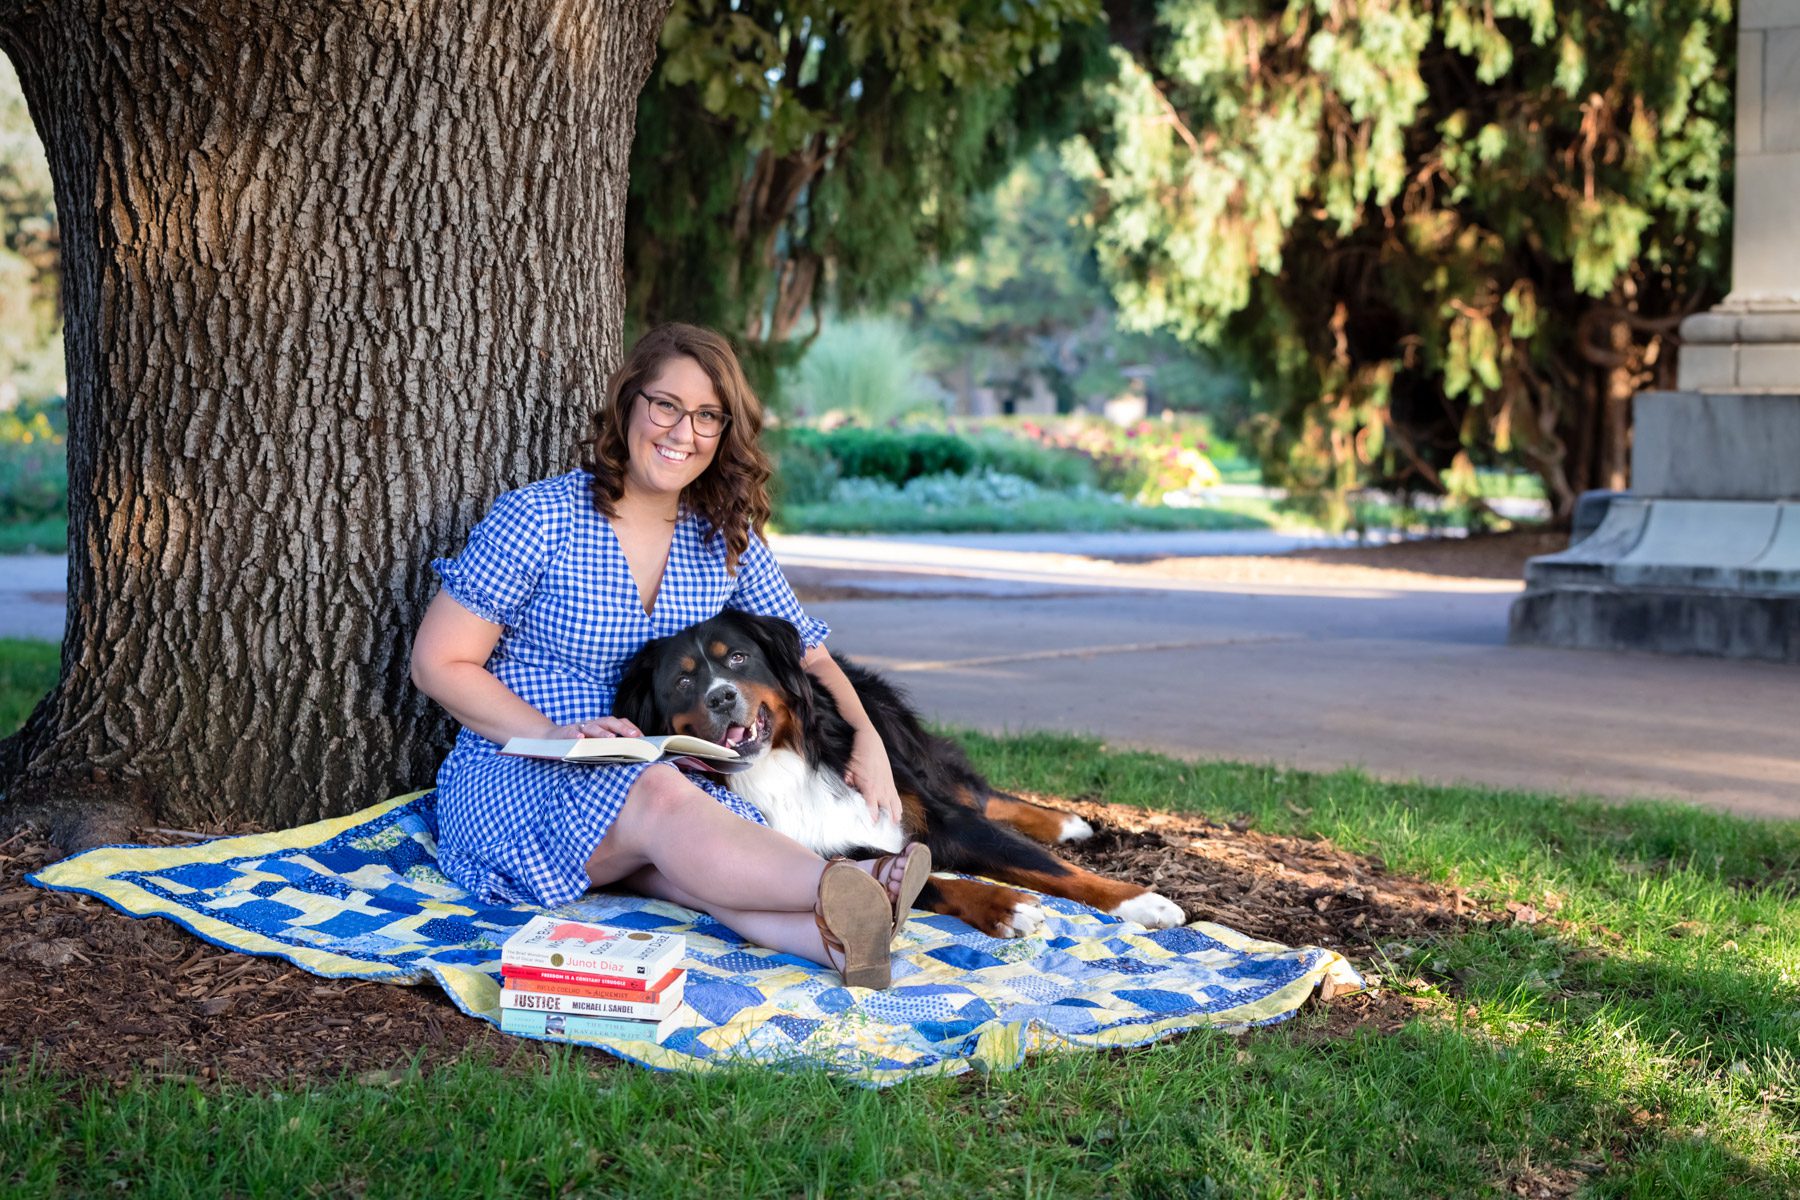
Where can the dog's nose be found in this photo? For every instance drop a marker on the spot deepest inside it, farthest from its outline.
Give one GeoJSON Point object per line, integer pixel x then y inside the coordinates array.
{"type": "Point", "coordinates": [722, 699]}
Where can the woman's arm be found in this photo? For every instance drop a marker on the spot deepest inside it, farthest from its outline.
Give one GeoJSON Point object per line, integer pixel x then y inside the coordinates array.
{"type": "Point", "coordinates": [870, 772]}
{"type": "Point", "coordinates": [449, 664]}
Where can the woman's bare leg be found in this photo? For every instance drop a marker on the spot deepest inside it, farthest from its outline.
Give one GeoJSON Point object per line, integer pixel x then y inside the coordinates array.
{"type": "Point", "coordinates": [788, 932]}
{"type": "Point", "coordinates": [709, 852]}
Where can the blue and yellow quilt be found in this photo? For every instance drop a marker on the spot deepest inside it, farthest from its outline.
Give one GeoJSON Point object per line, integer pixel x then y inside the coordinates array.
{"type": "Point", "coordinates": [361, 897]}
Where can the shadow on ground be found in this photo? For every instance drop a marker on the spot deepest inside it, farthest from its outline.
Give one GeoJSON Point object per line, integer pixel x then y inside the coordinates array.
{"type": "Point", "coordinates": [93, 993]}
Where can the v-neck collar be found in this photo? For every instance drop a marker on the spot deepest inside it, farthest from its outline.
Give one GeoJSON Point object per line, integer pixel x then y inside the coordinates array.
{"type": "Point", "coordinates": [636, 593]}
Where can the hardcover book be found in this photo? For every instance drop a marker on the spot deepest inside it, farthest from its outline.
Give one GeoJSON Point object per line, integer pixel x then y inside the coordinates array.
{"type": "Point", "coordinates": [579, 947]}
{"type": "Point", "coordinates": [618, 749]}
{"type": "Point", "coordinates": [589, 1029]}
{"type": "Point", "coordinates": [576, 983]}
{"type": "Point", "coordinates": [646, 1008]}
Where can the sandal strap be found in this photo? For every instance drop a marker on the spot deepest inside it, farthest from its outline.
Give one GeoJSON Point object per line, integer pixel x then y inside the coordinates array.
{"type": "Point", "coordinates": [833, 947]}
{"type": "Point", "coordinates": [903, 903]}
{"type": "Point", "coordinates": [858, 905]}
{"type": "Point", "coordinates": [832, 943]}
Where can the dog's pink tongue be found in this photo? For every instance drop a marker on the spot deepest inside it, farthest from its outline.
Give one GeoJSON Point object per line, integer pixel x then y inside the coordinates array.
{"type": "Point", "coordinates": [736, 734]}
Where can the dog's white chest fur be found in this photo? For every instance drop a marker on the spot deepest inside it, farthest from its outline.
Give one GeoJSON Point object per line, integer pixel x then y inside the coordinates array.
{"type": "Point", "coordinates": [814, 807]}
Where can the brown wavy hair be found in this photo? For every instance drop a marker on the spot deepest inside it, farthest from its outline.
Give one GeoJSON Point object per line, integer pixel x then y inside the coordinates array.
{"type": "Point", "coordinates": [732, 494]}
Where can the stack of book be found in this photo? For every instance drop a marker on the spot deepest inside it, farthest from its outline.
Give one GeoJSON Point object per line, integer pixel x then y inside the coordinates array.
{"type": "Point", "coordinates": [570, 979]}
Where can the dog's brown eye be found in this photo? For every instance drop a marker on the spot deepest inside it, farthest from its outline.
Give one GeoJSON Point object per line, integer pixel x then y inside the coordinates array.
{"type": "Point", "coordinates": [684, 684]}
{"type": "Point", "coordinates": [737, 658]}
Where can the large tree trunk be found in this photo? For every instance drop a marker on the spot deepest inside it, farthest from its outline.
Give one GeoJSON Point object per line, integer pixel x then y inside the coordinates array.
{"type": "Point", "coordinates": [337, 274]}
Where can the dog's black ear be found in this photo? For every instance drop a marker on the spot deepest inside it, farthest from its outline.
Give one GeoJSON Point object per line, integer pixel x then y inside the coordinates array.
{"type": "Point", "coordinates": [781, 648]}
{"type": "Point", "coordinates": [636, 698]}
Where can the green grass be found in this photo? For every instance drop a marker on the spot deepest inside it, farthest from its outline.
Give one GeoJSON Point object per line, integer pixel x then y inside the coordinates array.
{"type": "Point", "coordinates": [48, 536]}
{"type": "Point", "coordinates": [1645, 1041]}
{"type": "Point", "coordinates": [1057, 515]}
{"type": "Point", "coordinates": [1238, 469]}
{"type": "Point", "coordinates": [27, 671]}
{"type": "Point", "coordinates": [1510, 484]}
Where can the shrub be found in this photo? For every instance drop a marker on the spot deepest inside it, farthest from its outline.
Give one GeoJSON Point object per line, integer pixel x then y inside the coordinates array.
{"type": "Point", "coordinates": [1043, 465]}
{"type": "Point", "coordinates": [866, 368]}
{"type": "Point", "coordinates": [1144, 461]}
{"type": "Point", "coordinates": [958, 491]}
{"type": "Point", "coordinates": [897, 456]}
{"type": "Point", "coordinates": [34, 465]}
{"type": "Point", "coordinates": [804, 469]}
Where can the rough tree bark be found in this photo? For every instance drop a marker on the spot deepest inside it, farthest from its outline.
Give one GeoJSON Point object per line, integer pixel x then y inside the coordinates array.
{"type": "Point", "coordinates": [337, 273]}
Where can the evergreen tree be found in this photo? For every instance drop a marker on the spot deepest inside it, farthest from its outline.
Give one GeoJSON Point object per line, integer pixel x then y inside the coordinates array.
{"type": "Point", "coordinates": [1435, 231]}
{"type": "Point", "coordinates": [1028, 301]}
{"type": "Point", "coordinates": [791, 156]}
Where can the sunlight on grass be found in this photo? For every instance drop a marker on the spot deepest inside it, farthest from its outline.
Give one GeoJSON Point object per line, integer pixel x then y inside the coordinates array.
{"type": "Point", "coordinates": [1053, 513]}
{"type": "Point", "coordinates": [47, 536]}
{"type": "Point", "coordinates": [1638, 1041]}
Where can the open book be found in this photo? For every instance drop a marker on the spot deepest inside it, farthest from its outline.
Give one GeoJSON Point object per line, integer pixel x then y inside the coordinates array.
{"type": "Point", "coordinates": [624, 750]}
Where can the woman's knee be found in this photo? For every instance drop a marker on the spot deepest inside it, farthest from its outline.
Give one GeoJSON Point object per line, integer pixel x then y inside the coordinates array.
{"type": "Point", "coordinates": [657, 794]}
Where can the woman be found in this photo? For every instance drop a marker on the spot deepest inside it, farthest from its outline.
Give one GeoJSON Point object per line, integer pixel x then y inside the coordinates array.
{"type": "Point", "coordinates": [558, 586]}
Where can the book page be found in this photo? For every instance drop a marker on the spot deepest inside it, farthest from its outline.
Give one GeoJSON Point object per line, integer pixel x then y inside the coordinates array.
{"type": "Point", "coordinates": [584, 749]}
{"type": "Point", "coordinates": [681, 743]}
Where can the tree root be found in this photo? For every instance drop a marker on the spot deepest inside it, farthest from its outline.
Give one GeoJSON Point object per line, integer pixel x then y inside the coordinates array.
{"type": "Point", "coordinates": [79, 812]}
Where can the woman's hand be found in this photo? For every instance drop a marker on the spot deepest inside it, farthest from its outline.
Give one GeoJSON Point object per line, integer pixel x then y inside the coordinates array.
{"type": "Point", "coordinates": [596, 727]}
{"type": "Point", "coordinates": [871, 774]}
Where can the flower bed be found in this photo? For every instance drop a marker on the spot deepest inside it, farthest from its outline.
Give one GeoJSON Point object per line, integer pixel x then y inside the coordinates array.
{"type": "Point", "coordinates": [1079, 456]}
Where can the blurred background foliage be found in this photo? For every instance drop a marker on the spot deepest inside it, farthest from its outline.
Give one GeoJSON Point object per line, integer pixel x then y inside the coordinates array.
{"type": "Point", "coordinates": [1136, 246]}
{"type": "Point", "coordinates": [31, 354]}
{"type": "Point", "coordinates": [795, 157]}
{"type": "Point", "coordinates": [1434, 234]}
{"type": "Point", "coordinates": [34, 481]}
{"type": "Point", "coordinates": [1025, 311]}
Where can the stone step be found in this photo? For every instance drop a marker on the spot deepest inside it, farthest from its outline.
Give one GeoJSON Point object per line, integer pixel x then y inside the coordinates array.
{"type": "Point", "coordinates": [1735, 545]}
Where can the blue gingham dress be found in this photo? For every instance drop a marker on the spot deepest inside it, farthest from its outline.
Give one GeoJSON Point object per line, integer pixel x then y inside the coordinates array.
{"type": "Point", "coordinates": [545, 566]}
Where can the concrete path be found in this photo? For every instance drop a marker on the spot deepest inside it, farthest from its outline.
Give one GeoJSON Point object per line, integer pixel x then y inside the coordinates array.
{"type": "Point", "coordinates": [1406, 676]}
{"type": "Point", "coordinates": [32, 603]}
{"type": "Point", "coordinates": [1409, 678]}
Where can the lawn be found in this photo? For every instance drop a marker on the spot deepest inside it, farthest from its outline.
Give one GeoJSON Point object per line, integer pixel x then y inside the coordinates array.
{"type": "Point", "coordinates": [1640, 1040]}
{"type": "Point", "coordinates": [27, 670]}
{"type": "Point", "coordinates": [1050, 512]}
{"type": "Point", "coordinates": [47, 536]}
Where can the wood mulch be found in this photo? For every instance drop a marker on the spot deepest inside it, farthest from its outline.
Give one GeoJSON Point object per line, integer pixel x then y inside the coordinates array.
{"type": "Point", "coordinates": [95, 995]}
{"type": "Point", "coordinates": [1481, 556]}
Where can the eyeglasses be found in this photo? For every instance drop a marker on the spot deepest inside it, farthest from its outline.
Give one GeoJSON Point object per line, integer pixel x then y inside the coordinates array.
{"type": "Point", "coordinates": [708, 422]}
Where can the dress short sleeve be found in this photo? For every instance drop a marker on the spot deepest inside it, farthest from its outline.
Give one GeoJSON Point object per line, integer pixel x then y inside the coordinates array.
{"type": "Point", "coordinates": [505, 557]}
{"type": "Point", "coordinates": [762, 588]}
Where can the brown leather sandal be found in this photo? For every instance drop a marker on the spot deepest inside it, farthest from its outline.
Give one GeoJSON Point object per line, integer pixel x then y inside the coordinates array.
{"type": "Point", "coordinates": [855, 923]}
{"type": "Point", "coordinates": [912, 878]}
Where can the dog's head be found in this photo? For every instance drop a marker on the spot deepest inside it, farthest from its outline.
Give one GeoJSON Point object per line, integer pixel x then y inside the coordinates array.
{"type": "Point", "coordinates": [735, 679]}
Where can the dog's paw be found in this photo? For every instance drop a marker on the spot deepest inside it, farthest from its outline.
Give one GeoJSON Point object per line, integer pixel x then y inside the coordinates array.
{"type": "Point", "coordinates": [1152, 911]}
{"type": "Point", "coordinates": [1024, 920]}
{"type": "Point", "coordinates": [1074, 829]}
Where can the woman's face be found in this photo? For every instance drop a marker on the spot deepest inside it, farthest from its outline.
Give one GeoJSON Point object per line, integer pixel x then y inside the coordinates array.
{"type": "Point", "coordinates": [664, 461]}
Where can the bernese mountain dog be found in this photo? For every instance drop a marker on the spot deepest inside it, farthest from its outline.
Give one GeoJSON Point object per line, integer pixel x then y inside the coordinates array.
{"type": "Point", "coordinates": [737, 679]}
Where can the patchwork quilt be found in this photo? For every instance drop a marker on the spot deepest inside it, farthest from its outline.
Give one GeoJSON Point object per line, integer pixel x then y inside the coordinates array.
{"type": "Point", "coordinates": [361, 897]}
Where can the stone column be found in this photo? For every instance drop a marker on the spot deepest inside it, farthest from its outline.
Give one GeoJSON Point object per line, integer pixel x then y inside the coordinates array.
{"type": "Point", "coordinates": [1751, 341]}
{"type": "Point", "coordinates": [1703, 555]}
